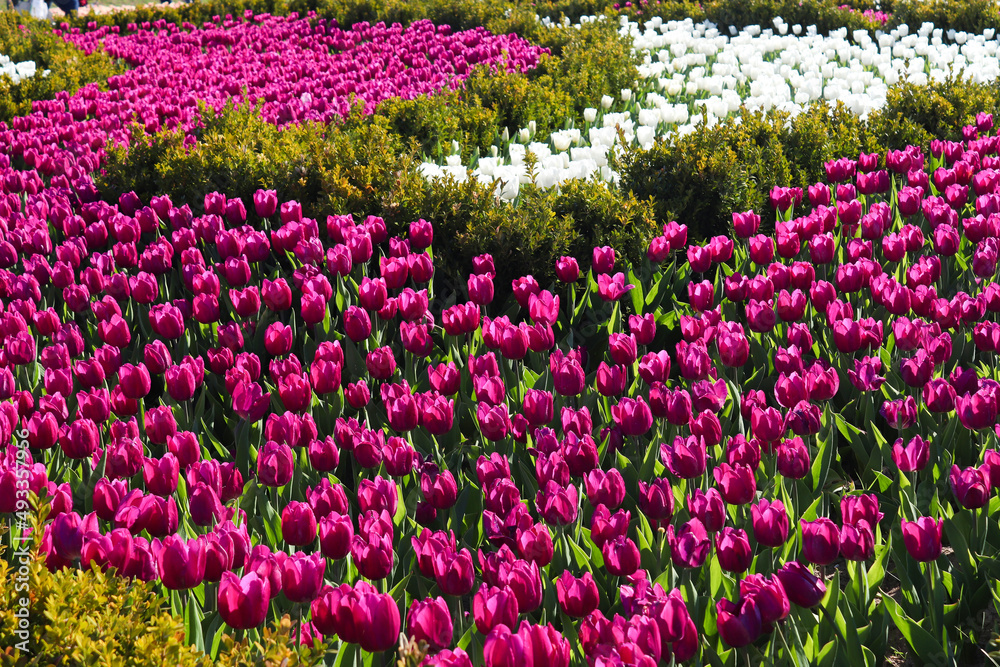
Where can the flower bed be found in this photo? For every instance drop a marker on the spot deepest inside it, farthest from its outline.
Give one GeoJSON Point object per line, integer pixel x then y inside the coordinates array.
{"type": "Point", "coordinates": [772, 445]}
{"type": "Point", "coordinates": [694, 73]}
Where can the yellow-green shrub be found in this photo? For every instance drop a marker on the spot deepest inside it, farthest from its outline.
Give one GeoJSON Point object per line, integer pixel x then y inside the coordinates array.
{"type": "Point", "coordinates": [971, 16]}
{"type": "Point", "coordinates": [24, 38]}
{"type": "Point", "coordinates": [362, 167]}
{"type": "Point", "coordinates": [81, 617]}
{"type": "Point", "coordinates": [701, 178]}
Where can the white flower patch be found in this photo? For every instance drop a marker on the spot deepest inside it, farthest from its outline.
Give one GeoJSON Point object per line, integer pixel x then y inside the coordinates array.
{"type": "Point", "coordinates": [691, 74]}
{"type": "Point", "coordinates": [17, 72]}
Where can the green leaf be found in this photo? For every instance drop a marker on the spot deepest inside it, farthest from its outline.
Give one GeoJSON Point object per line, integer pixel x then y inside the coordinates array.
{"type": "Point", "coordinates": [583, 560]}
{"type": "Point", "coordinates": [826, 656]}
{"type": "Point", "coordinates": [921, 641]}
{"type": "Point", "coordinates": [346, 655]}
{"type": "Point", "coordinates": [963, 554]}
{"type": "Point", "coordinates": [636, 292]}
{"type": "Point", "coordinates": [192, 619]}
{"type": "Point", "coordinates": [715, 576]}
{"type": "Point", "coordinates": [827, 446]}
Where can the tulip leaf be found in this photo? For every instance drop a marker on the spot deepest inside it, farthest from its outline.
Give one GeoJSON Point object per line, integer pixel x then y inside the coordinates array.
{"type": "Point", "coordinates": [812, 511]}
{"type": "Point", "coordinates": [827, 446]}
{"type": "Point", "coordinates": [569, 631]}
{"type": "Point", "coordinates": [346, 655]}
{"type": "Point", "coordinates": [715, 576]}
{"type": "Point", "coordinates": [636, 292]}
{"type": "Point", "coordinates": [826, 656]}
{"type": "Point", "coordinates": [919, 639]}
{"type": "Point", "coordinates": [216, 633]}
{"type": "Point", "coordinates": [583, 561]}
{"type": "Point", "coordinates": [963, 554]}
{"type": "Point", "coordinates": [192, 623]}
{"type": "Point", "coordinates": [652, 295]}
{"type": "Point", "coordinates": [883, 482]}
{"type": "Point", "coordinates": [876, 573]}
{"type": "Point", "coordinates": [466, 639]}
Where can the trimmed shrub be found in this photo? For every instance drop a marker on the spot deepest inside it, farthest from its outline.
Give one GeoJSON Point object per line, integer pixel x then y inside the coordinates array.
{"type": "Point", "coordinates": [79, 617]}
{"type": "Point", "coordinates": [24, 38]}
{"type": "Point", "coordinates": [699, 179]}
{"type": "Point", "coordinates": [364, 168]}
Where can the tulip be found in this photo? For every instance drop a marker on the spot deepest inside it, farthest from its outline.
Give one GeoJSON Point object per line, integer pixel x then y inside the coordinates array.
{"type": "Point", "coordinates": [376, 616]}
{"type": "Point", "coordinates": [80, 440]}
{"type": "Point", "coordinates": [336, 534]}
{"type": "Point", "coordinates": [605, 526]}
{"type": "Point", "coordinates": [766, 423]}
{"type": "Point", "coordinates": [430, 621]}
{"type": "Point", "coordinates": [577, 597]}
{"type": "Point", "coordinates": [525, 580]}
{"type": "Point", "coordinates": [793, 458]}
{"type": "Point", "coordinates": [557, 505]}
{"type": "Point", "coordinates": [689, 545]}
{"type": "Point", "coordinates": [738, 624]}
{"type": "Point", "coordinates": [770, 523]}
{"type": "Point", "coordinates": [160, 475]}
{"type": "Point", "coordinates": [243, 602]}
{"type": "Point", "coordinates": [439, 488]}
{"type": "Point", "coordinates": [535, 545]}
{"type": "Point", "coordinates": [453, 572]}
{"type": "Point", "coordinates": [820, 541]}
{"type": "Point", "coordinates": [913, 457]}
{"type": "Point", "coordinates": [857, 542]}
{"type": "Point", "coordinates": [736, 484]}
{"type": "Point", "coordinates": [181, 563]}
{"type": "Point", "coordinates": [605, 488]}
{"type": "Point", "coordinates": [492, 607]}
{"type": "Point", "coordinates": [134, 380]}
{"type": "Point", "coordinates": [298, 524]}
{"type": "Point", "coordinates": [633, 416]}
{"type": "Point", "coordinates": [656, 500]}
{"type": "Point", "coordinates": [686, 458]}
{"type": "Point", "coordinates": [612, 288]}
{"type": "Point", "coordinates": [977, 410]}
{"type": "Point", "coordinates": [275, 464]}
{"type": "Point", "coordinates": [302, 576]}
{"type": "Point", "coordinates": [803, 587]}
{"type": "Point", "coordinates": [858, 508]}
{"type": "Point", "coordinates": [734, 550]}
{"type": "Point", "coordinates": [567, 270]}
{"type": "Point", "coordinates": [709, 508]}
{"type": "Point", "coordinates": [971, 486]}
{"type": "Point", "coordinates": [504, 648]}
{"type": "Point", "coordinates": [621, 556]}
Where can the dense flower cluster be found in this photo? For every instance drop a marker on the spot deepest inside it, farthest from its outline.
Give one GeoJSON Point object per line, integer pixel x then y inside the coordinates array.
{"type": "Point", "coordinates": [296, 69]}
{"type": "Point", "coordinates": [17, 72]}
{"type": "Point", "coordinates": [693, 73]}
{"type": "Point", "coordinates": [632, 463]}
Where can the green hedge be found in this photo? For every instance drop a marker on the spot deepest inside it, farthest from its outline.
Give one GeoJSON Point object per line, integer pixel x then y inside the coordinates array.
{"type": "Point", "coordinates": [90, 617]}
{"type": "Point", "coordinates": [24, 38]}
{"type": "Point", "coordinates": [518, 16]}
{"type": "Point", "coordinates": [703, 177]}
{"type": "Point", "coordinates": [585, 64]}
{"type": "Point", "coordinates": [826, 15]}
{"type": "Point", "coordinates": [365, 168]}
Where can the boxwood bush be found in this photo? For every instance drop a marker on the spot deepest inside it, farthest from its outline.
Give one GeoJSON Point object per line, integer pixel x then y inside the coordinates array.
{"type": "Point", "coordinates": [90, 617]}
{"type": "Point", "coordinates": [704, 176]}
{"type": "Point", "coordinates": [24, 38]}
{"type": "Point", "coordinates": [363, 167]}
